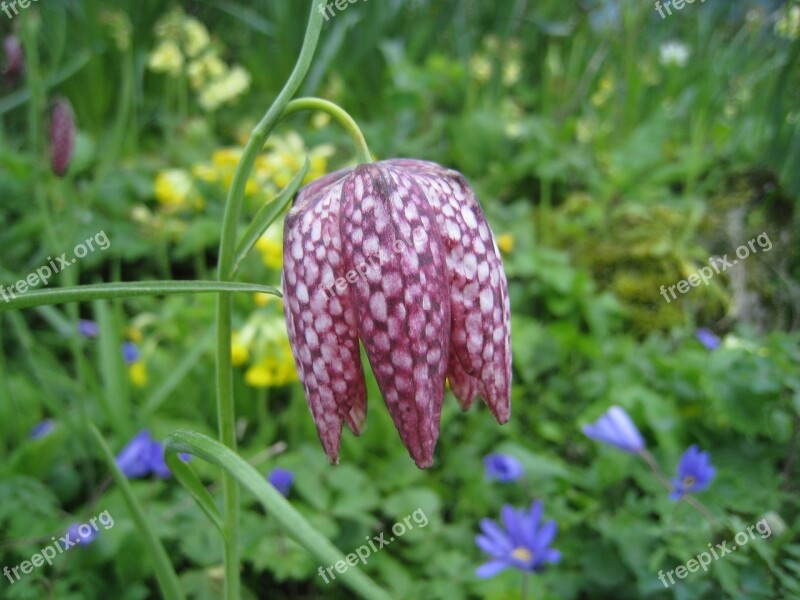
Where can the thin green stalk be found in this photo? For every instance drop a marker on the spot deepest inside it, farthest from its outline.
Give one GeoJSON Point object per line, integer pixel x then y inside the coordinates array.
{"type": "Point", "coordinates": [291, 521]}
{"type": "Point", "coordinates": [339, 115]}
{"type": "Point", "coordinates": [126, 289]}
{"type": "Point", "coordinates": [227, 253]}
{"type": "Point", "coordinates": [165, 572]}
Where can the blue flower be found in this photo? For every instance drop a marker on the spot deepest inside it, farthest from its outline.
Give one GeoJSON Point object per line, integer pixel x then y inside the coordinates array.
{"type": "Point", "coordinates": [708, 338]}
{"type": "Point", "coordinates": [87, 328]}
{"type": "Point", "coordinates": [82, 537]}
{"type": "Point", "coordinates": [523, 545]}
{"type": "Point", "coordinates": [616, 428]}
{"type": "Point", "coordinates": [135, 459]}
{"type": "Point", "coordinates": [281, 479]}
{"type": "Point", "coordinates": [695, 473]}
{"type": "Point", "coordinates": [42, 429]}
{"type": "Point", "coordinates": [503, 468]}
{"type": "Point", "coordinates": [144, 455]}
{"type": "Point", "coordinates": [130, 352]}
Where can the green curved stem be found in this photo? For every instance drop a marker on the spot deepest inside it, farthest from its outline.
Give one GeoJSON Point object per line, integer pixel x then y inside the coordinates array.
{"type": "Point", "coordinates": [226, 414]}
{"type": "Point", "coordinates": [288, 518]}
{"type": "Point", "coordinates": [339, 115]}
{"type": "Point", "coordinates": [165, 572]}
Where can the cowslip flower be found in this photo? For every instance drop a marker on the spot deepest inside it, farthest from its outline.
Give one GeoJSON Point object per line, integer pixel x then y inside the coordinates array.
{"type": "Point", "coordinates": [503, 468]}
{"type": "Point", "coordinates": [616, 428]}
{"type": "Point", "coordinates": [524, 544]}
{"type": "Point", "coordinates": [62, 136]}
{"type": "Point", "coordinates": [418, 279]}
{"type": "Point", "coordinates": [695, 473]}
{"type": "Point", "coordinates": [281, 479]}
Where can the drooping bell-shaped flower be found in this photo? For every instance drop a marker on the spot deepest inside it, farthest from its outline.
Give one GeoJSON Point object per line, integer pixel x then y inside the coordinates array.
{"type": "Point", "coordinates": [62, 136]}
{"type": "Point", "coordinates": [396, 254]}
{"type": "Point", "coordinates": [14, 65]}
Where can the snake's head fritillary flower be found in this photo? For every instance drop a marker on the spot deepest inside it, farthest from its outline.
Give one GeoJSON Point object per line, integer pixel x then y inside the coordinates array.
{"type": "Point", "coordinates": [616, 428]}
{"type": "Point", "coordinates": [503, 468]}
{"type": "Point", "coordinates": [524, 544]}
{"type": "Point", "coordinates": [695, 473]}
{"type": "Point", "coordinates": [396, 254]}
{"type": "Point", "coordinates": [281, 479]}
{"type": "Point", "coordinates": [62, 136]}
{"type": "Point", "coordinates": [14, 66]}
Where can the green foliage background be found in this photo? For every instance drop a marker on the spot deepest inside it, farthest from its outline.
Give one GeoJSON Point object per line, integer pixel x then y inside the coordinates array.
{"type": "Point", "coordinates": [611, 172]}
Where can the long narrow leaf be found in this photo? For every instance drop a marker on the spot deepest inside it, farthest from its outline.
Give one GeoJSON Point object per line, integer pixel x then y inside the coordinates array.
{"type": "Point", "coordinates": [179, 373]}
{"type": "Point", "coordinates": [165, 573]}
{"type": "Point", "coordinates": [293, 523]}
{"type": "Point", "coordinates": [267, 216]}
{"type": "Point", "coordinates": [189, 479]}
{"type": "Point", "coordinates": [130, 289]}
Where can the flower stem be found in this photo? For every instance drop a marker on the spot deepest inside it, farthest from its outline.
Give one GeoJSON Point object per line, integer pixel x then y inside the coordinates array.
{"type": "Point", "coordinates": [226, 414]}
{"type": "Point", "coordinates": [339, 115]}
{"type": "Point", "coordinates": [651, 462]}
{"type": "Point", "coordinates": [696, 504]}
{"type": "Point", "coordinates": [525, 579]}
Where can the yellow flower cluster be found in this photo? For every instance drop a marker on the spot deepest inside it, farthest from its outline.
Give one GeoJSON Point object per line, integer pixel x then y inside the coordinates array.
{"type": "Point", "coordinates": [788, 25]}
{"type": "Point", "coordinates": [264, 338]}
{"type": "Point", "coordinates": [178, 189]}
{"type": "Point", "coordinates": [184, 45]}
{"type": "Point", "coordinates": [493, 52]}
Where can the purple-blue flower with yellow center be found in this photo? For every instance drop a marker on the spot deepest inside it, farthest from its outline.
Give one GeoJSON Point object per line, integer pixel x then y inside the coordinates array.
{"type": "Point", "coordinates": [502, 467]}
{"type": "Point", "coordinates": [524, 544]}
{"type": "Point", "coordinates": [695, 473]}
{"type": "Point", "coordinates": [281, 479]}
{"type": "Point", "coordinates": [616, 428]}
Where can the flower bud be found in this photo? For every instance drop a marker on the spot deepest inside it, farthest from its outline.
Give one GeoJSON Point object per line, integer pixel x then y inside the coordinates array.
{"type": "Point", "coordinates": [14, 67]}
{"type": "Point", "coordinates": [62, 136]}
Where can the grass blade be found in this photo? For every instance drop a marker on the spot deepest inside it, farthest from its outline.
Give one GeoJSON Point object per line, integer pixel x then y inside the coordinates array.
{"type": "Point", "coordinates": [165, 573]}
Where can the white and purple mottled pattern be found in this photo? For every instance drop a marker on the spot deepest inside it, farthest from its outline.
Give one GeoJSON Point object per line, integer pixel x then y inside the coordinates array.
{"type": "Point", "coordinates": [403, 308]}
{"type": "Point", "coordinates": [481, 332]}
{"type": "Point", "coordinates": [435, 305]}
{"type": "Point", "coordinates": [322, 332]}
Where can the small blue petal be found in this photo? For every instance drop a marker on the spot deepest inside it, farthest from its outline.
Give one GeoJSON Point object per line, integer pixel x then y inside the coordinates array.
{"type": "Point", "coordinates": [88, 328]}
{"type": "Point", "coordinates": [491, 568]}
{"type": "Point", "coordinates": [616, 428]}
{"type": "Point", "coordinates": [42, 429]}
{"type": "Point", "coordinates": [134, 460]}
{"type": "Point", "coordinates": [130, 352]}
{"type": "Point", "coordinates": [708, 338]}
{"type": "Point", "coordinates": [281, 479]}
{"type": "Point", "coordinates": [503, 468]}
